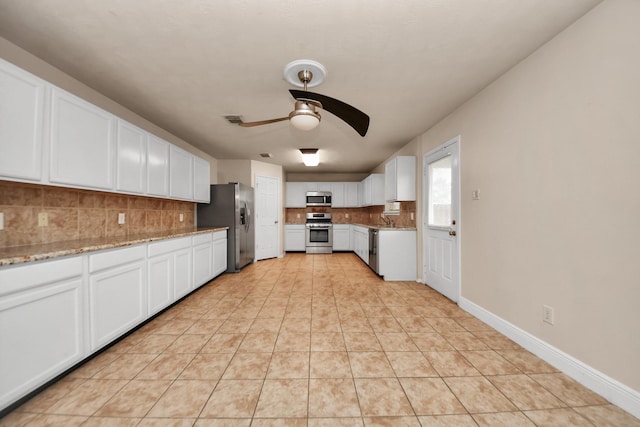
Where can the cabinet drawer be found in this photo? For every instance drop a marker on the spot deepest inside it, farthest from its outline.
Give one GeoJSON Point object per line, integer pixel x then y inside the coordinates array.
{"type": "Point", "coordinates": [115, 257]}
{"type": "Point", "coordinates": [200, 239]}
{"type": "Point", "coordinates": [219, 235]}
{"type": "Point", "coordinates": [13, 279]}
{"type": "Point", "coordinates": [165, 246]}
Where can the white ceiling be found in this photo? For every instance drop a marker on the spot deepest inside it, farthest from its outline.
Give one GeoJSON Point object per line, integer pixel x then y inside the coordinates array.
{"type": "Point", "coordinates": [185, 64]}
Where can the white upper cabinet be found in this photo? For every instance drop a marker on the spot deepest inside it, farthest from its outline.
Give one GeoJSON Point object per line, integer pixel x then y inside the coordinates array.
{"type": "Point", "coordinates": [157, 166]}
{"type": "Point", "coordinates": [372, 190]}
{"type": "Point", "coordinates": [180, 174]}
{"type": "Point", "coordinates": [400, 179]}
{"type": "Point", "coordinates": [131, 164]}
{"type": "Point", "coordinates": [201, 180]}
{"type": "Point", "coordinates": [50, 136]}
{"type": "Point", "coordinates": [22, 110]}
{"type": "Point", "coordinates": [351, 194]}
{"type": "Point", "coordinates": [295, 196]}
{"type": "Point", "coordinates": [81, 143]}
{"type": "Point", "coordinates": [338, 195]}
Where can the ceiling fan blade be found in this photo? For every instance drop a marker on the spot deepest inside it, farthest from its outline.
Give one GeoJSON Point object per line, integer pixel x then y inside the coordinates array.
{"type": "Point", "coordinates": [263, 122]}
{"type": "Point", "coordinates": [351, 115]}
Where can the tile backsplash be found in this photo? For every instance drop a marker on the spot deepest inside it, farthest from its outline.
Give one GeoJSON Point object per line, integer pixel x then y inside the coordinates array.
{"type": "Point", "coordinates": [368, 215]}
{"type": "Point", "coordinates": [81, 214]}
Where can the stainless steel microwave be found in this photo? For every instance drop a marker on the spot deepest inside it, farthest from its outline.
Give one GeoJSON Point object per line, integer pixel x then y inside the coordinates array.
{"type": "Point", "coordinates": [318, 198]}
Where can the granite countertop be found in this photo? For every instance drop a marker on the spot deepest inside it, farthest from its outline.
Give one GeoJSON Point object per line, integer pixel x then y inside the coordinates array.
{"type": "Point", "coordinates": [386, 227]}
{"type": "Point", "coordinates": [375, 226]}
{"type": "Point", "coordinates": [37, 252]}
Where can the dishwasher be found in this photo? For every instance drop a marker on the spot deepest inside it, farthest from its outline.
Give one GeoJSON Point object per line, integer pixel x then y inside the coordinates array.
{"type": "Point", "coordinates": [373, 249]}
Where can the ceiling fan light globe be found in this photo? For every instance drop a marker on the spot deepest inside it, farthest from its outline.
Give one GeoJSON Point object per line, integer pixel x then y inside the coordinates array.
{"type": "Point", "coordinates": [304, 120]}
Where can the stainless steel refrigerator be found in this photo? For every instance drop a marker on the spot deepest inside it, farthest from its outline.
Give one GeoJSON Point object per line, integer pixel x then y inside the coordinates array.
{"type": "Point", "coordinates": [232, 206]}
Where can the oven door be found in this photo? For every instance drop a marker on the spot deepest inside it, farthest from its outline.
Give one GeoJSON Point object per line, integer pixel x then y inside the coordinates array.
{"type": "Point", "coordinates": [319, 236]}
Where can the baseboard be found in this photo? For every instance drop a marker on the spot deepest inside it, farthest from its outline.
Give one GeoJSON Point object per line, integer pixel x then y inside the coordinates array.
{"type": "Point", "coordinates": [612, 390]}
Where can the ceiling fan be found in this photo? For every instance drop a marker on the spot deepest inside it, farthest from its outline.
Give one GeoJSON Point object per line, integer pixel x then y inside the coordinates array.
{"type": "Point", "coordinates": [304, 116]}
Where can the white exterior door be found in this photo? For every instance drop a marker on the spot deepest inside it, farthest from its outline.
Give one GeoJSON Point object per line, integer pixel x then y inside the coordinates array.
{"type": "Point", "coordinates": [441, 219]}
{"type": "Point", "coordinates": [267, 215]}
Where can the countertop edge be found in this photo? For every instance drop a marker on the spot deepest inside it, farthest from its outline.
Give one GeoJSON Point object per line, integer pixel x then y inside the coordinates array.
{"type": "Point", "coordinates": [374, 226]}
{"type": "Point", "coordinates": [78, 247]}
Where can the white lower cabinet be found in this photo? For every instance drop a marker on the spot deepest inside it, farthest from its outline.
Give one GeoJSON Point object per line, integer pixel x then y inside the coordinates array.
{"type": "Point", "coordinates": [219, 252]}
{"type": "Point", "coordinates": [170, 273]}
{"type": "Point", "coordinates": [397, 254]}
{"type": "Point", "coordinates": [294, 238]}
{"type": "Point", "coordinates": [341, 237]}
{"type": "Point", "coordinates": [202, 259]}
{"type": "Point", "coordinates": [41, 324]}
{"type": "Point", "coordinates": [117, 293]}
{"type": "Point", "coordinates": [55, 313]}
{"type": "Point", "coordinates": [361, 243]}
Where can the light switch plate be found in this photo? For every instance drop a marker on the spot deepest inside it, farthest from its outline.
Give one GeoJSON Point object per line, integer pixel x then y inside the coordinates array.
{"type": "Point", "coordinates": [1, 220]}
{"type": "Point", "coordinates": [121, 218]}
{"type": "Point", "coordinates": [181, 217]}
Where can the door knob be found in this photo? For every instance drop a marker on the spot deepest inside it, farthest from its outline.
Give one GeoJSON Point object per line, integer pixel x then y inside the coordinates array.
{"type": "Point", "coordinates": [452, 233]}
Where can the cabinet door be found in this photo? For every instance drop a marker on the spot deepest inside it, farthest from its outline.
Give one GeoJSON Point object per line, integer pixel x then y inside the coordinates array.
{"type": "Point", "coordinates": [351, 196]}
{"type": "Point", "coordinates": [131, 147]}
{"type": "Point", "coordinates": [338, 195]}
{"type": "Point", "coordinates": [180, 173]}
{"type": "Point", "coordinates": [21, 123]}
{"type": "Point", "coordinates": [157, 166]}
{"type": "Point", "coordinates": [202, 263]}
{"type": "Point", "coordinates": [295, 196]}
{"type": "Point", "coordinates": [390, 181]}
{"type": "Point", "coordinates": [116, 302]}
{"type": "Point", "coordinates": [182, 273]}
{"type": "Point", "coordinates": [377, 189]}
{"type": "Point", "coordinates": [201, 180]}
{"type": "Point", "coordinates": [341, 238]}
{"type": "Point", "coordinates": [219, 255]}
{"type": "Point", "coordinates": [82, 143]}
{"type": "Point", "coordinates": [366, 191]}
{"type": "Point", "coordinates": [41, 324]}
{"type": "Point", "coordinates": [294, 238]}
{"type": "Point", "coordinates": [160, 282]}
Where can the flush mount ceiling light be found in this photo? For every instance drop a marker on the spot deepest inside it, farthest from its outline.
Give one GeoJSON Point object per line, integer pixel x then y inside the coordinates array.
{"type": "Point", "coordinates": [310, 156]}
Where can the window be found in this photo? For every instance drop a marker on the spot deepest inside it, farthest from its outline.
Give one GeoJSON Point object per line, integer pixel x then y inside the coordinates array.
{"type": "Point", "coordinates": [440, 192]}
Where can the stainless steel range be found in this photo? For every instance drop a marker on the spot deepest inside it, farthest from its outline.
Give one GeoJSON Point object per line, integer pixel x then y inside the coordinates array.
{"type": "Point", "coordinates": [319, 233]}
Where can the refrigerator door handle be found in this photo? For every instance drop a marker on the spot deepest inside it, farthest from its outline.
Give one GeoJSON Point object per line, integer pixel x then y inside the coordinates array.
{"type": "Point", "coordinates": [247, 223]}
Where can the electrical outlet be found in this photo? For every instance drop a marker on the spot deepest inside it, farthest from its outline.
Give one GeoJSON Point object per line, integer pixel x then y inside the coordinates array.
{"type": "Point", "coordinates": [412, 217]}
{"type": "Point", "coordinates": [1, 220]}
{"type": "Point", "coordinates": [121, 218]}
{"type": "Point", "coordinates": [475, 194]}
{"type": "Point", "coordinates": [548, 314]}
{"type": "Point", "coordinates": [181, 217]}
{"type": "Point", "coordinates": [298, 216]}
{"type": "Point", "coordinates": [43, 219]}
{"type": "Point", "coordinates": [346, 215]}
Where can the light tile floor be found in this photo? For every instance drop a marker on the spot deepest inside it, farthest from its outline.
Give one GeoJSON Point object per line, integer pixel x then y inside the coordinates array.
{"type": "Point", "coordinates": [316, 340]}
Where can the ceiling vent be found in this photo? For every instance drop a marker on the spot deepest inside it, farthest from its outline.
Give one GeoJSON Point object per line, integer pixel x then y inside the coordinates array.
{"type": "Point", "coordinates": [234, 119]}
{"type": "Point", "coordinates": [266, 155]}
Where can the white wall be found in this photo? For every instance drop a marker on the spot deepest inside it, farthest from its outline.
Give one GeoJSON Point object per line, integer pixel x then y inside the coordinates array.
{"type": "Point", "coordinates": [554, 147]}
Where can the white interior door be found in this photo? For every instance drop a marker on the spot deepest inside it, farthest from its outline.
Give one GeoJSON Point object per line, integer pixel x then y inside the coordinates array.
{"type": "Point", "coordinates": [267, 215]}
{"type": "Point", "coordinates": [441, 264]}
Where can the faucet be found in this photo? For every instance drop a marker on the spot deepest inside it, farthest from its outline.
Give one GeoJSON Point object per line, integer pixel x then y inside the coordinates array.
{"type": "Point", "coordinates": [387, 221]}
